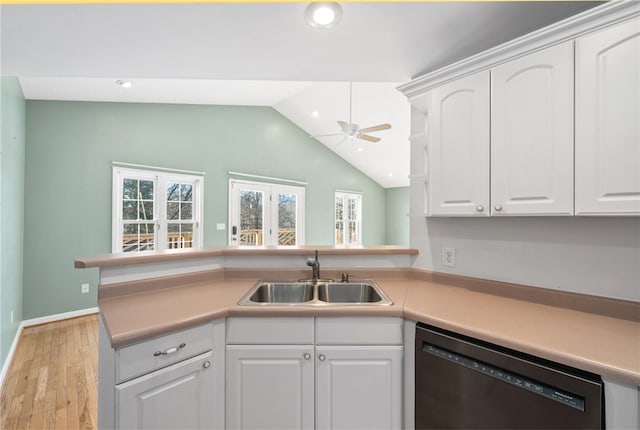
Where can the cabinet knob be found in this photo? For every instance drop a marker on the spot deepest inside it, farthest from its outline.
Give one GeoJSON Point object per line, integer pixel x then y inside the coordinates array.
{"type": "Point", "coordinates": [206, 364]}
{"type": "Point", "coordinates": [321, 357]}
{"type": "Point", "coordinates": [479, 208]}
{"type": "Point", "coordinates": [498, 208]}
{"type": "Point", "coordinates": [307, 356]}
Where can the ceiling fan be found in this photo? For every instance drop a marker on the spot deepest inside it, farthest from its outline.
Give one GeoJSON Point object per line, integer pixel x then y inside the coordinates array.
{"type": "Point", "coordinates": [351, 130]}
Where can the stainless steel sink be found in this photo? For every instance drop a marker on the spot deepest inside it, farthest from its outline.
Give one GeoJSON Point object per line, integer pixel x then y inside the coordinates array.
{"type": "Point", "coordinates": [351, 292]}
{"type": "Point", "coordinates": [280, 292]}
{"type": "Point", "coordinates": [315, 294]}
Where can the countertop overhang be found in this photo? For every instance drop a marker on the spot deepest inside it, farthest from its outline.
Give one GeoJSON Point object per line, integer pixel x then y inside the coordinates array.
{"type": "Point", "coordinates": [127, 259]}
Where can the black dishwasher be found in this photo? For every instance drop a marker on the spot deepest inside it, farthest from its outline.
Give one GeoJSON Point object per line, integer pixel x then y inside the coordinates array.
{"type": "Point", "coordinates": [465, 383]}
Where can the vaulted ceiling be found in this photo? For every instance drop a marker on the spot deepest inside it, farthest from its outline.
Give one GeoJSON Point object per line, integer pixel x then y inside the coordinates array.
{"type": "Point", "coordinates": [262, 54]}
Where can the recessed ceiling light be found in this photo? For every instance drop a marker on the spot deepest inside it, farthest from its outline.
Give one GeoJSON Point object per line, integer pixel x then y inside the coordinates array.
{"type": "Point", "coordinates": [315, 114]}
{"type": "Point", "coordinates": [323, 15]}
{"type": "Point", "coordinates": [360, 149]}
{"type": "Point", "coordinates": [390, 174]}
{"type": "Point", "coordinates": [124, 84]}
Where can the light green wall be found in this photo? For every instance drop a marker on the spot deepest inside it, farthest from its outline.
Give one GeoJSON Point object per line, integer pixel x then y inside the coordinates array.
{"type": "Point", "coordinates": [70, 147]}
{"type": "Point", "coordinates": [397, 216]}
{"type": "Point", "coordinates": [12, 165]}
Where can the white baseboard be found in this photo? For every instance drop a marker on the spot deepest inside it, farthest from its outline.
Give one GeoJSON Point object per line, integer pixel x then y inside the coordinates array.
{"type": "Point", "coordinates": [58, 317]}
{"type": "Point", "coordinates": [37, 321]}
{"type": "Point", "coordinates": [12, 350]}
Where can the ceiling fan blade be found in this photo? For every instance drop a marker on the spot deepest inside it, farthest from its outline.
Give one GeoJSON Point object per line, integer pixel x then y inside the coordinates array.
{"type": "Point", "coordinates": [376, 128]}
{"type": "Point", "coordinates": [369, 138]}
{"type": "Point", "coordinates": [344, 126]}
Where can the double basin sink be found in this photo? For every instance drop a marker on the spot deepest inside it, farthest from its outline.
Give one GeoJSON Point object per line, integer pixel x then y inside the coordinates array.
{"type": "Point", "coordinates": [321, 292]}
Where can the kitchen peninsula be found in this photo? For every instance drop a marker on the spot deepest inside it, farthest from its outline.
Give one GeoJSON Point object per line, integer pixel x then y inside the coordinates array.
{"type": "Point", "coordinates": [150, 303]}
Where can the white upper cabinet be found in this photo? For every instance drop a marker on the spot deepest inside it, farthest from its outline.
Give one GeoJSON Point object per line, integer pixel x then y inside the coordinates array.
{"type": "Point", "coordinates": [532, 134]}
{"type": "Point", "coordinates": [607, 153]}
{"type": "Point", "coordinates": [559, 117]}
{"type": "Point", "coordinates": [458, 147]}
{"type": "Point", "coordinates": [511, 154]}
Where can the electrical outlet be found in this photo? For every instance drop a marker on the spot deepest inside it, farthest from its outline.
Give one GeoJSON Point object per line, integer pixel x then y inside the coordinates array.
{"type": "Point", "coordinates": [449, 257]}
{"type": "Point", "coordinates": [84, 288]}
{"type": "Point", "coordinates": [220, 226]}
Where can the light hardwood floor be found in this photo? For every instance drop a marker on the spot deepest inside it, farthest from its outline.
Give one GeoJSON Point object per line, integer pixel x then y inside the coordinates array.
{"type": "Point", "coordinates": [53, 379]}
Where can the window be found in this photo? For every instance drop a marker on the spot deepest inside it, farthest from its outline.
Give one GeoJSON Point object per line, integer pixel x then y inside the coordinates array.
{"type": "Point", "coordinates": [261, 213]}
{"type": "Point", "coordinates": [155, 210]}
{"type": "Point", "coordinates": [348, 218]}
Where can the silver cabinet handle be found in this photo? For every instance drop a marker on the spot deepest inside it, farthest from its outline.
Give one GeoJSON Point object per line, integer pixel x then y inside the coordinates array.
{"type": "Point", "coordinates": [170, 350]}
{"type": "Point", "coordinates": [307, 356]}
{"type": "Point", "coordinates": [479, 208]}
{"type": "Point", "coordinates": [206, 364]}
{"type": "Point", "coordinates": [321, 357]}
{"type": "Point", "coordinates": [498, 208]}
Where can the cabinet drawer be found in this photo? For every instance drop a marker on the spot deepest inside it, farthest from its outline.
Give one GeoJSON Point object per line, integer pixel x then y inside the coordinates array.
{"type": "Point", "coordinates": [147, 356]}
{"type": "Point", "coordinates": [270, 331]}
{"type": "Point", "coordinates": [359, 331]}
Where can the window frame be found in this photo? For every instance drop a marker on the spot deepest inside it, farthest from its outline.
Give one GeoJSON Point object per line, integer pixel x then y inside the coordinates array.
{"type": "Point", "coordinates": [160, 179]}
{"type": "Point", "coordinates": [270, 210]}
{"type": "Point", "coordinates": [346, 196]}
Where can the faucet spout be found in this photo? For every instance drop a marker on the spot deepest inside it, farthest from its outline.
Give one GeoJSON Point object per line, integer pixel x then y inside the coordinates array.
{"type": "Point", "coordinates": [315, 267]}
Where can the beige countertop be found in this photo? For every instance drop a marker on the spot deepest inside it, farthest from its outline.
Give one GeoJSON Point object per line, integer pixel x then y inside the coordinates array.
{"type": "Point", "coordinates": [594, 341]}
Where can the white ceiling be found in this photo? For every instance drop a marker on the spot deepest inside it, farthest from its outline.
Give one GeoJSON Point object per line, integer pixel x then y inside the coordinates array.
{"type": "Point", "coordinates": [262, 54]}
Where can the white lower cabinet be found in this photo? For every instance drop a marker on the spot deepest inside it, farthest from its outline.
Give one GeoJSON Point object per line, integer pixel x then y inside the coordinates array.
{"type": "Point", "coordinates": [170, 381]}
{"type": "Point", "coordinates": [347, 375]}
{"type": "Point", "coordinates": [622, 405]}
{"type": "Point", "coordinates": [359, 387]}
{"type": "Point", "coordinates": [178, 396]}
{"type": "Point", "coordinates": [270, 387]}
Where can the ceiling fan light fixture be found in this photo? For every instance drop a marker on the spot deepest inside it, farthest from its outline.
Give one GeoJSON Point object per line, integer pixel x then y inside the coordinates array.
{"type": "Point", "coordinates": [323, 15]}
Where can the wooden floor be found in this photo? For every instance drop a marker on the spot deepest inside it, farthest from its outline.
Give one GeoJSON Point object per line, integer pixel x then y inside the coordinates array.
{"type": "Point", "coordinates": [53, 379]}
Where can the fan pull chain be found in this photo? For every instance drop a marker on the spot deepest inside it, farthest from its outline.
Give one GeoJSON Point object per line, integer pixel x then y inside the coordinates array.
{"type": "Point", "coordinates": [350, 102]}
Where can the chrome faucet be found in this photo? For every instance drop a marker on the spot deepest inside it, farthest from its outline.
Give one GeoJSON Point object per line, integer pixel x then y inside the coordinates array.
{"type": "Point", "coordinates": [315, 267]}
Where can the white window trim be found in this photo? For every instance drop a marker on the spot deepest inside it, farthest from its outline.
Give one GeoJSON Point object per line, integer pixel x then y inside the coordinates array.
{"type": "Point", "coordinates": [272, 214]}
{"type": "Point", "coordinates": [346, 195]}
{"type": "Point", "coordinates": [160, 179]}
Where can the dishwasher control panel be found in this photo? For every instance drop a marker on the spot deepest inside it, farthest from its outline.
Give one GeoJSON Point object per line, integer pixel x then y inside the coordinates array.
{"type": "Point", "coordinates": [539, 388]}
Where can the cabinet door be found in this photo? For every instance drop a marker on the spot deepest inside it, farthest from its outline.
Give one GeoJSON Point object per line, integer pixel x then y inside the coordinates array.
{"type": "Point", "coordinates": [458, 147]}
{"type": "Point", "coordinates": [178, 396]}
{"type": "Point", "coordinates": [532, 134]}
{"type": "Point", "coordinates": [359, 387]}
{"type": "Point", "coordinates": [270, 387]}
{"type": "Point", "coordinates": [607, 121]}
